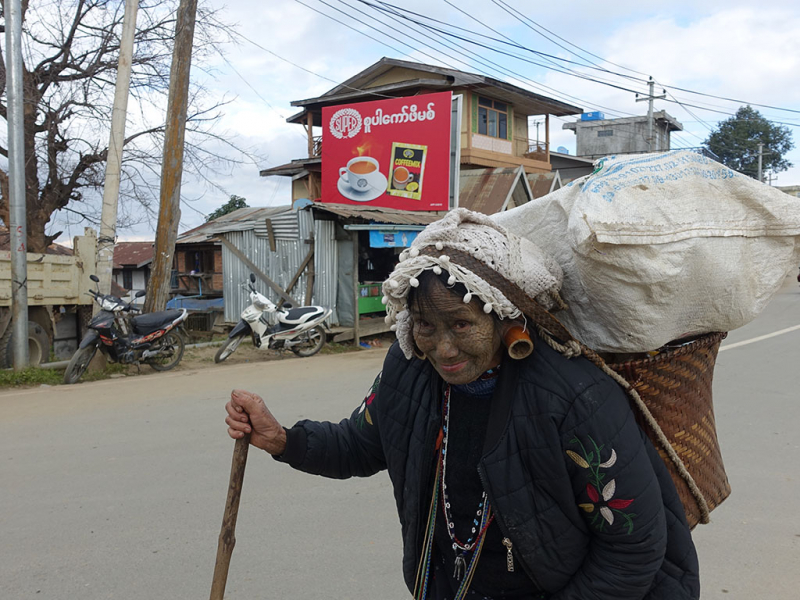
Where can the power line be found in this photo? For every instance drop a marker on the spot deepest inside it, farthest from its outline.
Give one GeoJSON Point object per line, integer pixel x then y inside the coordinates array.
{"type": "Point", "coordinates": [567, 41]}
{"type": "Point", "coordinates": [404, 14]}
{"type": "Point", "coordinates": [674, 87]}
{"type": "Point", "coordinates": [617, 127]}
{"type": "Point", "coordinates": [247, 83]}
{"type": "Point", "coordinates": [440, 35]}
{"type": "Point", "coordinates": [398, 14]}
{"type": "Point", "coordinates": [310, 72]}
{"type": "Point", "coordinates": [394, 11]}
{"type": "Point", "coordinates": [515, 75]}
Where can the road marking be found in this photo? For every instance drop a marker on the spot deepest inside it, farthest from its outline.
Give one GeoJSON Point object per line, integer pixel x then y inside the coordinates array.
{"type": "Point", "coordinates": [759, 338]}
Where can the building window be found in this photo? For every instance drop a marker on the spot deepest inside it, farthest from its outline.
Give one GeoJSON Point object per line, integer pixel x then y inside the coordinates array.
{"type": "Point", "coordinates": [605, 133]}
{"type": "Point", "coordinates": [127, 279]}
{"type": "Point", "coordinates": [492, 118]}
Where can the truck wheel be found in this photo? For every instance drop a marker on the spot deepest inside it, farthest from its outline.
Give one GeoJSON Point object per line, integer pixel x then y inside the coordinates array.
{"type": "Point", "coordinates": [38, 346]}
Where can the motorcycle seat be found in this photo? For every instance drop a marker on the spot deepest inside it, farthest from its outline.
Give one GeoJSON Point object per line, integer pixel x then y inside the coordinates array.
{"type": "Point", "coordinates": [296, 315]}
{"type": "Point", "coordinates": [150, 322]}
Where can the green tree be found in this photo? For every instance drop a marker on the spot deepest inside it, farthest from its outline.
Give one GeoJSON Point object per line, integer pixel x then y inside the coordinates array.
{"type": "Point", "coordinates": [736, 141]}
{"type": "Point", "coordinates": [235, 203]}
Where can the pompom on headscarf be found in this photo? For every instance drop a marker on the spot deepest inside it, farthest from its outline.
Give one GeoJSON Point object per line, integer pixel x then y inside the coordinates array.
{"type": "Point", "coordinates": [516, 259]}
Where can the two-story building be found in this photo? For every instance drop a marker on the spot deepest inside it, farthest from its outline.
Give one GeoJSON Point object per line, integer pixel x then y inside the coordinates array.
{"type": "Point", "coordinates": [355, 245]}
{"type": "Point", "coordinates": [494, 132]}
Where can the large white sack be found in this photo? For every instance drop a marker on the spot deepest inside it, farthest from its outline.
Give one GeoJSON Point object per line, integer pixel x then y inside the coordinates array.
{"type": "Point", "coordinates": [655, 247]}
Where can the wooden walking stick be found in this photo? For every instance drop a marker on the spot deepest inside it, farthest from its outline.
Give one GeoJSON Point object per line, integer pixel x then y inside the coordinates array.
{"type": "Point", "coordinates": [227, 536]}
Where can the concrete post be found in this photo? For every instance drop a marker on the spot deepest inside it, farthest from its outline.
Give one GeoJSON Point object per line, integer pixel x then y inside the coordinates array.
{"type": "Point", "coordinates": [760, 161]}
{"type": "Point", "coordinates": [651, 85]}
{"type": "Point", "coordinates": [108, 219]}
{"type": "Point", "coordinates": [16, 175]}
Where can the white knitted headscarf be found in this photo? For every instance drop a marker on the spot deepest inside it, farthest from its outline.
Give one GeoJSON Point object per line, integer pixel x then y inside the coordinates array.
{"type": "Point", "coordinates": [517, 259]}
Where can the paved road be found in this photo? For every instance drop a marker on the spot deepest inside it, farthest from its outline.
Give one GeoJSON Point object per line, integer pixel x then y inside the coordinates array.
{"type": "Point", "coordinates": [115, 489]}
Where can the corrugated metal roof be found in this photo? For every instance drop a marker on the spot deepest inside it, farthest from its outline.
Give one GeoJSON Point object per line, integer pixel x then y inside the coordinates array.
{"type": "Point", "coordinates": [137, 254]}
{"type": "Point", "coordinates": [293, 168]}
{"type": "Point", "coordinates": [544, 183]}
{"type": "Point", "coordinates": [242, 219]}
{"type": "Point", "coordinates": [520, 97]}
{"type": "Point", "coordinates": [379, 214]}
{"type": "Point", "coordinates": [541, 183]}
{"type": "Point", "coordinates": [488, 190]}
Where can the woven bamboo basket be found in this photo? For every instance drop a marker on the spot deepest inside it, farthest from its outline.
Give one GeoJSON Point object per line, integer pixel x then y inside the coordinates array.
{"type": "Point", "coordinates": [673, 388]}
{"type": "Point", "coordinates": [676, 386]}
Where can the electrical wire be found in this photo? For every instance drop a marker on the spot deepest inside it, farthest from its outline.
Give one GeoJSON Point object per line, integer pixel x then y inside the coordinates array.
{"type": "Point", "coordinates": [576, 74]}
{"type": "Point", "coordinates": [501, 2]}
{"type": "Point", "coordinates": [441, 35]}
{"type": "Point", "coordinates": [617, 126]}
{"type": "Point", "coordinates": [255, 91]}
{"type": "Point", "coordinates": [596, 80]}
{"type": "Point", "coordinates": [274, 54]}
{"type": "Point", "coordinates": [310, 72]}
{"type": "Point", "coordinates": [486, 62]}
{"type": "Point", "coordinates": [673, 87]}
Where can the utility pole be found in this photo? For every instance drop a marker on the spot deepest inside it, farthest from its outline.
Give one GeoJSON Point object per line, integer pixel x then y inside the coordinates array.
{"type": "Point", "coordinates": [17, 217]}
{"type": "Point", "coordinates": [169, 213]}
{"type": "Point", "coordinates": [649, 99]}
{"type": "Point", "coordinates": [108, 219]}
{"type": "Point", "coordinates": [760, 161]}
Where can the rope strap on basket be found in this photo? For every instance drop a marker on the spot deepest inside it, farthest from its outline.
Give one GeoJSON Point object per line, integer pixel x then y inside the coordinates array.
{"type": "Point", "coordinates": [551, 330]}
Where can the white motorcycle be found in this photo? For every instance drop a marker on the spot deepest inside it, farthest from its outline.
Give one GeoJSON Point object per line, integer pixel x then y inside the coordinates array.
{"type": "Point", "coordinates": [298, 329]}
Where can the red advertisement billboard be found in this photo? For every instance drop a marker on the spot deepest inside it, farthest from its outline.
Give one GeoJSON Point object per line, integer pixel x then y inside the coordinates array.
{"type": "Point", "coordinates": [393, 153]}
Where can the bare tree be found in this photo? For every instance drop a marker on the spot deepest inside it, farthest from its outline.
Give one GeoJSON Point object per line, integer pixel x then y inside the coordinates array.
{"type": "Point", "coordinates": [70, 50]}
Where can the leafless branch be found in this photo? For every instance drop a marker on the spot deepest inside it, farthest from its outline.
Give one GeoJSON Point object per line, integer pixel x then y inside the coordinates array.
{"type": "Point", "coordinates": [70, 63]}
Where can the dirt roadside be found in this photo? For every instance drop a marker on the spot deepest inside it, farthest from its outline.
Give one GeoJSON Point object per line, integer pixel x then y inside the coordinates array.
{"type": "Point", "coordinates": [203, 357]}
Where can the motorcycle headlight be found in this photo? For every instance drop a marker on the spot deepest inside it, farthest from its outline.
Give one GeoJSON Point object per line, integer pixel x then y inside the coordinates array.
{"type": "Point", "coordinates": [109, 305]}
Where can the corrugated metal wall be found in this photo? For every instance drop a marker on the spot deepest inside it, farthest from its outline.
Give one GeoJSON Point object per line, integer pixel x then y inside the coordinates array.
{"type": "Point", "coordinates": [284, 225]}
{"type": "Point", "coordinates": [280, 266]}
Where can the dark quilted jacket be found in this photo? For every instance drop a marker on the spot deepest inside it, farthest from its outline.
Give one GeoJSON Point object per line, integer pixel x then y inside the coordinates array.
{"type": "Point", "coordinates": [576, 486]}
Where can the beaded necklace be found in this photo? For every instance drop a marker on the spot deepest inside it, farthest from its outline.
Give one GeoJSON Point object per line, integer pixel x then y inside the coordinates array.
{"type": "Point", "coordinates": [464, 573]}
{"type": "Point", "coordinates": [482, 517]}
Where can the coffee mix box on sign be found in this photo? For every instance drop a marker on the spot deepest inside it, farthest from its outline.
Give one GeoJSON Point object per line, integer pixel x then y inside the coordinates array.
{"type": "Point", "coordinates": [406, 170]}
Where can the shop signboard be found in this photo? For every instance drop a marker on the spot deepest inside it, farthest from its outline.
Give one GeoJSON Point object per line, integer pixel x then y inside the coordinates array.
{"type": "Point", "coordinates": [392, 153]}
{"type": "Point", "coordinates": [391, 239]}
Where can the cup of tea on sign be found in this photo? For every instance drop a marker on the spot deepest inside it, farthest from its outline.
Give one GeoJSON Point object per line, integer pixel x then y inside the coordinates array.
{"type": "Point", "coordinates": [362, 173]}
{"type": "Point", "coordinates": [402, 177]}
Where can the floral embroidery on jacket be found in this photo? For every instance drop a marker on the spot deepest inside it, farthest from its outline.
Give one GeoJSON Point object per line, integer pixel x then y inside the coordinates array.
{"type": "Point", "coordinates": [363, 412]}
{"type": "Point", "coordinates": [603, 506]}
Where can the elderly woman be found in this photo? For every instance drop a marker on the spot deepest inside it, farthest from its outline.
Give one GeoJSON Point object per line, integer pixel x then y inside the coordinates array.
{"type": "Point", "coordinates": [514, 478]}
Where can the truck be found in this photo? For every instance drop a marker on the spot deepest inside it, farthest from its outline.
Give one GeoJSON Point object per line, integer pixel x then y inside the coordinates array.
{"type": "Point", "coordinates": [59, 306]}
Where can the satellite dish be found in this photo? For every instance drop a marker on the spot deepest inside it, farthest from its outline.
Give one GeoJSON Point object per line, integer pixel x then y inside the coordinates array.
{"type": "Point", "coordinates": [562, 150]}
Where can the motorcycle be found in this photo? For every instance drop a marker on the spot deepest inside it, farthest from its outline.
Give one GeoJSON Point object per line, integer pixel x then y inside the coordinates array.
{"type": "Point", "coordinates": [298, 329]}
{"type": "Point", "coordinates": [152, 338]}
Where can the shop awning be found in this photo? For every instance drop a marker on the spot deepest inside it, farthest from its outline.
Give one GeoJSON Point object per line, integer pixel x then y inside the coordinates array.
{"type": "Point", "coordinates": [376, 217]}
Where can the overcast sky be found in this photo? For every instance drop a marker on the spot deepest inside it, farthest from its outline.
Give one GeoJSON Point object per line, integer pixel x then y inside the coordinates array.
{"type": "Point", "coordinates": [741, 50]}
